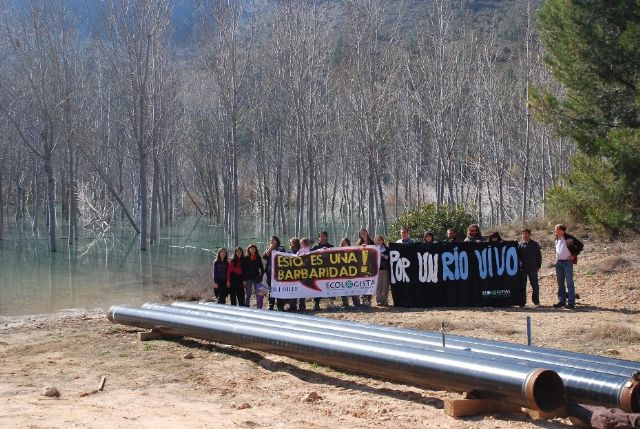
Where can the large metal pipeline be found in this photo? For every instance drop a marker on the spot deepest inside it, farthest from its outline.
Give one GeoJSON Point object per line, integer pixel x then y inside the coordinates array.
{"type": "Point", "coordinates": [540, 389]}
{"type": "Point", "coordinates": [582, 386]}
{"type": "Point", "coordinates": [596, 363]}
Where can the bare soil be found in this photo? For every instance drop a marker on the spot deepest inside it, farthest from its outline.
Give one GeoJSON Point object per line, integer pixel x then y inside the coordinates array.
{"type": "Point", "coordinates": [151, 384]}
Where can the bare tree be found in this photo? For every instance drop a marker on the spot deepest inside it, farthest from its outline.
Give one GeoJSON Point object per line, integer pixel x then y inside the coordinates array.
{"type": "Point", "coordinates": [1, 194]}
{"type": "Point", "coordinates": [228, 59]}
{"type": "Point", "coordinates": [133, 38]}
{"type": "Point", "coordinates": [373, 65]}
{"type": "Point", "coordinates": [33, 93]}
{"type": "Point", "coordinates": [440, 76]}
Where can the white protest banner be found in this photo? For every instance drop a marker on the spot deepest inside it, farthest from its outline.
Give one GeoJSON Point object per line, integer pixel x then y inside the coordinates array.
{"type": "Point", "coordinates": [336, 271]}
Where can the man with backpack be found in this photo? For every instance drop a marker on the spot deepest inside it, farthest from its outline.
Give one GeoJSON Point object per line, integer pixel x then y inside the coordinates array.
{"type": "Point", "coordinates": [568, 248]}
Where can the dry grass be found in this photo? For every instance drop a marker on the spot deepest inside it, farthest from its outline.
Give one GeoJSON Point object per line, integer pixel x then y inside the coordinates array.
{"type": "Point", "coordinates": [606, 333]}
{"type": "Point", "coordinates": [611, 264]}
{"type": "Point", "coordinates": [189, 293]}
{"type": "Point", "coordinates": [614, 333]}
{"type": "Point", "coordinates": [433, 325]}
{"type": "Point", "coordinates": [507, 330]}
{"type": "Point", "coordinates": [577, 331]}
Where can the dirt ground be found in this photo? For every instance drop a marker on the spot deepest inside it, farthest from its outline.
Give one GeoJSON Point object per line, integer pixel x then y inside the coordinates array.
{"type": "Point", "coordinates": [151, 384]}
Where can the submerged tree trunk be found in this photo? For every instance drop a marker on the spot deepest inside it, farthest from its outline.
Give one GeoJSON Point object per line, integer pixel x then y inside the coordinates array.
{"type": "Point", "coordinates": [155, 199]}
{"type": "Point", "coordinates": [142, 199]}
{"type": "Point", "coordinates": [1, 200]}
{"type": "Point", "coordinates": [35, 195]}
{"type": "Point", "coordinates": [51, 202]}
{"type": "Point", "coordinates": [72, 196]}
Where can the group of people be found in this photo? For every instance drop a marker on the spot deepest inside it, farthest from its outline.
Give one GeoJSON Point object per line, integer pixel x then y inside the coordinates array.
{"type": "Point", "coordinates": [567, 248]}
{"type": "Point", "coordinates": [241, 276]}
{"type": "Point", "coordinates": [530, 255]}
{"type": "Point", "coordinates": [473, 234]}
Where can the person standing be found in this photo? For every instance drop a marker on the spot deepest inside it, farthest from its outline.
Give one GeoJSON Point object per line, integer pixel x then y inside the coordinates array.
{"type": "Point", "coordinates": [235, 277]}
{"type": "Point", "coordinates": [364, 240]}
{"type": "Point", "coordinates": [530, 256]}
{"type": "Point", "coordinates": [323, 243]}
{"type": "Point", "coordinates": [494, 237]}
{"type": "Point", "coordinates": [304, 248]}
{"type": "Point", "coordinates": [452, 235]}
{"type": "Point", "coordinates": [404, 236]}
{"type": "Point", "coordinates": [274, 244]}
{"type": "Point", "coordinates": [474, 234]}
{"type": "Point", "coordinates": [382, 288]}
{"type": "Point", "coordinates": [567, 249]}
{"type": "Point", "coordinates": [428, 237]}
{"type": "Point", "coordinates": [355, 299]}
{"type": "Point", "coordinates": [220, 276]}
{"type": "Point", "coordinates": [252, 271]}
{"type": "Point", "coordinates": [294, 247]}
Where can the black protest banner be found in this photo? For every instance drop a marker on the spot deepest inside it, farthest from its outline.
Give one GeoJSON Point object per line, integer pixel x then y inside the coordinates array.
{"type": "Point", "coordinates": [456, 274]}
{"type": "Point", "coordinates": [337, 271]}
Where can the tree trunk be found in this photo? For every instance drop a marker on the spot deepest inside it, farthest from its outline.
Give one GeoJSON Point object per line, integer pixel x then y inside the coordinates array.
{"type": "Point", "coordinates": [51, 202]}
{"type": "Point", "coordinates": [18, 213]}
{"type": "Point", "coordinates": [35, 195]}
{"type": "Point", "coordinates": [383, 209]}
{"type": "Point", "coordinates": [142, 199]}
{"type": "Point", "coordinates": [527, 144]}
{"type": "Point", "coordinates": [73, 196]}
{"type": "Point", "coordinates": [155, 198]}
{"type": "Point", "coordinates": [1, 199]}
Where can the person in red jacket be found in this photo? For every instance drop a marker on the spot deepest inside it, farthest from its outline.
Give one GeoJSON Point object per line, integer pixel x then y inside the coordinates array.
{"type": "Point", "coordinates": [235, 278]}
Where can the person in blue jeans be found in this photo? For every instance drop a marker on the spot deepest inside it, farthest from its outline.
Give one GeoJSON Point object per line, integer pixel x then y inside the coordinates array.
{"type": "Point", "coordinates": [567, 249]}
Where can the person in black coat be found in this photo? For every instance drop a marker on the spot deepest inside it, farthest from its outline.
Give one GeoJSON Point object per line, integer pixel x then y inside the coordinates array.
{"type": "Point", "coordinates": [274, 244]}
{"type": "Point", "coordinates": [253, 271]}
{"type": "Point", "coordinates": [323, 243]}
{"type": "Point", "coordinates": [530, 256]}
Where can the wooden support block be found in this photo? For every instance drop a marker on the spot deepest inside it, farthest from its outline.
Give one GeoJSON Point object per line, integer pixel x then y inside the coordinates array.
{"type": "Point", "coordinates": [469, 395]}
{"type": "Point", "coordinates": [155, 335]}
{"type": "Point", "coordinates": [545, 415]}
{"type": "Point", "coordinates": [474, 407]}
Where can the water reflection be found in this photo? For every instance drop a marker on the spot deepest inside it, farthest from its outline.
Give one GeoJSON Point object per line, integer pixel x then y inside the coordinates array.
{"type": "Point", "coordinates": [103, 269]}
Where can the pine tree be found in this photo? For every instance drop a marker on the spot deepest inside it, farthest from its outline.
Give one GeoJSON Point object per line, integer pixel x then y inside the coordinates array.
{"type": "Point", "coordinates": [593, 49]}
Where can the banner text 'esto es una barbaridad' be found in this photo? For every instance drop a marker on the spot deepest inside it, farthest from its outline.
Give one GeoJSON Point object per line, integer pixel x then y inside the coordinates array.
{"type": "Point", "coordinates": [337, 271]}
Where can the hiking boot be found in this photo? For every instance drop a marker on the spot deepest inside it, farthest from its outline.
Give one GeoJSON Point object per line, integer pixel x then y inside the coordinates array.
{"type": "Point", "coordinates": [558, 305]}
{"type": "Point", "coordinates": [570, 306]}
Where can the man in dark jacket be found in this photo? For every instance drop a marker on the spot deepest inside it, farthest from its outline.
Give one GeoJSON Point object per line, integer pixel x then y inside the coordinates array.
{"type": "Point", "coordinates": [530, 263]}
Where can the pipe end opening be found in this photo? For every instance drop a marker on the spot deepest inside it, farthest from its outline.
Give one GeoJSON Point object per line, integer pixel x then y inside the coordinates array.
{"type": "Point", "coordinates": [544, 390]}
{"type": "Point", "coordinates": [630, 397]}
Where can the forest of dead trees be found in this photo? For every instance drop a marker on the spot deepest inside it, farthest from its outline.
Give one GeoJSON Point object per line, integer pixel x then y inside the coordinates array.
{"type": "Point", "coordinates": [283, 111]}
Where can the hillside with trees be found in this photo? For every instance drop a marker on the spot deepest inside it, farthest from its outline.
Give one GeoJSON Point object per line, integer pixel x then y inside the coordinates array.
{"type": "Point", "coordinates": [288, 112]}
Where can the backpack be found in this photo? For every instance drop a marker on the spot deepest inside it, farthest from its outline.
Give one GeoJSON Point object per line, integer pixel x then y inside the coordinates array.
{"type": "Point", "coordinates": [574, 245]}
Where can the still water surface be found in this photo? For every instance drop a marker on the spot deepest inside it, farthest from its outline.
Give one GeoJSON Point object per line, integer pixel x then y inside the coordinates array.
{"type": "Point", "coordinates": [106, 269]}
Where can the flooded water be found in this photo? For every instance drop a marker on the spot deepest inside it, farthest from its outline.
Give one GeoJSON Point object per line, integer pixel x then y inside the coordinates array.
{"type": "Point", "coordinates": [108, 268]}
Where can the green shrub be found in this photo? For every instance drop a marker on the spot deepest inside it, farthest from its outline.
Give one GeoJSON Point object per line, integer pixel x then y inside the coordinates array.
{"type": "Point", "coordinates": [594, 194]}
{"type": "Point", "coordinates": [428, 217]}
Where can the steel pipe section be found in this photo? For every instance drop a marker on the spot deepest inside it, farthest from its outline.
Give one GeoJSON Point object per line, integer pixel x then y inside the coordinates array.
{"type": "Point", "coordinates": [539, 354]}
{"type": "Point", "coordinates": [582, 386]}
{"type": "Point", "coordinates": [539, 389]}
